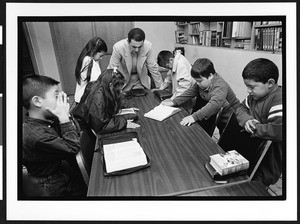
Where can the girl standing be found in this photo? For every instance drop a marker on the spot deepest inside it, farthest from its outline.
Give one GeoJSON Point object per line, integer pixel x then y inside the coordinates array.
{"type": "Point", "coordinates": [87, 67]}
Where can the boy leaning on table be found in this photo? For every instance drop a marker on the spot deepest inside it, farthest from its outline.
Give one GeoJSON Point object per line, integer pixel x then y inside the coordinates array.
{"type": "Point", "coordinates": [261, 115]}
{"type": "Point", "coordinates": [213, 89]}
{"type": "Point", "coordinates": [50, 139]}
{"type": "Point", "coordinates": [179, 74]}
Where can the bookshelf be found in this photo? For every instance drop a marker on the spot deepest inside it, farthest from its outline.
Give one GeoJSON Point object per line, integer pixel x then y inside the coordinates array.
{"type": "Point", "coordinates": [246, 35]}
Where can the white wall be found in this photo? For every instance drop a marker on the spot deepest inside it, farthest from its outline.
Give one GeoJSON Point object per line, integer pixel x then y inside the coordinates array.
{"type": "Point", "coordinates": [160, 34]}
{"type": "Point", "coordinates": [229, 63]}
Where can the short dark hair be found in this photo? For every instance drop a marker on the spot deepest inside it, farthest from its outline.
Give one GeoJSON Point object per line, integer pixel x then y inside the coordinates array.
{"type": "Point", "coordinates": [163, 58]}
{"type": "Point", "coordinates": [202, 67]}
{"type": "Point", "coordinates": [261, 70]}
{"type": "Point", "coordinates": [36, 85]}
{"type": "Point", "coordinates": [137, 34]}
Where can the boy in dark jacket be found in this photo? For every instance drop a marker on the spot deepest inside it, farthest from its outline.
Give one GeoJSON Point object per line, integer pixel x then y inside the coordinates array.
{"type": "Point", "coordinates": [50, 139]}
{"type": "Point", "coordinates": [261, 115]}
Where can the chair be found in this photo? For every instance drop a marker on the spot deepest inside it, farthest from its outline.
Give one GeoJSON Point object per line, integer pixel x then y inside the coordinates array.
{"type": "Point", "coordinates": [211, 123]}
{"type": "Point", "coordinates": [84, 157]}
{"type": "Point", "coordinates": [234, 137]}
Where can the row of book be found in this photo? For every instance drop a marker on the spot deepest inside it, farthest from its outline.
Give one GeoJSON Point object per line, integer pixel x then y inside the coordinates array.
{"type": "Point", "coordinates": [209, 38]}
{"type": "Point", "coordinates": [181, 37]}
{"type": "Point", "coordinates": [268, 39]}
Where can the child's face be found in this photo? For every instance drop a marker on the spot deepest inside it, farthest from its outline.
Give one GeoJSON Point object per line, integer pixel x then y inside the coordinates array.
{"type": "Point", "coordinates": [169, 65]}
{"type": "Point", "coordinates": [203, 82]}
{"type": "Point", "coordinates": [99, 55]}
{"type": "Point", "coordinates": [257, 90]}
{"type": "Point", "coordinates": [50, 100]}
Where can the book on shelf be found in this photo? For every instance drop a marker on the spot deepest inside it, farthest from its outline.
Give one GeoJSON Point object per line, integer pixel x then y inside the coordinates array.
{"type": "Point", "coordinates": [268, 38]}
{"type": "Point", "coordinates": [229, 162]}
{"type": "Point", "coordinates": [123, 156]}
{"type": "Point", "coordinates": [161, 112]}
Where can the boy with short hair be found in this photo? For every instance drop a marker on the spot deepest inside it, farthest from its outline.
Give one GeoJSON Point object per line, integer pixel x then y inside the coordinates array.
{"type": "Point", "coordinates": [179, 74]}
{"type": "Point", "coordinates": [211, 88]}
{"type": "Point", "coordinates": [261, 115]}
{"type": "Point", "coordinates": [50, 138]}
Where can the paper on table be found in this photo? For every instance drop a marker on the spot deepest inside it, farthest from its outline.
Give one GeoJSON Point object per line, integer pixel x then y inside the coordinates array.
{"type": "Point", "coordinates": [161, 112]}
{"type": "Point", "coordinates": [123, 155]}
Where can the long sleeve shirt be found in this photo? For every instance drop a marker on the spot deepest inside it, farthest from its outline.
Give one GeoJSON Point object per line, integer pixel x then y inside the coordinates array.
{"type": "Point", "coordinates": [46, 143]}
{"type": "Point", "coordinates": [268, 111]}
{"type": "Point", "coordinates": [218, 95]}
{"type": "Point", "coordinates": [181, 75]}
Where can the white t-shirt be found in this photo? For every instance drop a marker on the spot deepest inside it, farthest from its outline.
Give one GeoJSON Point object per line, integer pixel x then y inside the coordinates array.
{"type": "Point", "coordinates": [95, 72]}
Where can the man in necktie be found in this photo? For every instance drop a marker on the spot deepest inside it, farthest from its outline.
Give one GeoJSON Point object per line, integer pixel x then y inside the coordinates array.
{"type": "Point", "coordinates": [134, 58]}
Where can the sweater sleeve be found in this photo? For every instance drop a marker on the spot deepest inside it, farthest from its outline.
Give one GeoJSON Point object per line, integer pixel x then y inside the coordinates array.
{"type": "Point", "coordinates": [242, 113]}
{"type": "Point", "coordinates": [272, 130]}
{"type": "Point", "coordinates": [190, 93]}
{"type": "Point", "coordinates": [217, 100]}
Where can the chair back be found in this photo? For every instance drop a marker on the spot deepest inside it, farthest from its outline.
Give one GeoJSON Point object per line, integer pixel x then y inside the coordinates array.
{"type": "Point", "coordinates": [236, 138]}
{"type": "Point", "coordinates": [85, 156]}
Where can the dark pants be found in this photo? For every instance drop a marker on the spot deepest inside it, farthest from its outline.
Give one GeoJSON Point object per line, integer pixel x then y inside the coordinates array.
{"type": "Point", "coordinates": [66, 183]}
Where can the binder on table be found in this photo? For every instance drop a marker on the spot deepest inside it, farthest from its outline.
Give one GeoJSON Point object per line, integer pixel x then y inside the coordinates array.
{"type": "Point", "coordinates": [123, 154]}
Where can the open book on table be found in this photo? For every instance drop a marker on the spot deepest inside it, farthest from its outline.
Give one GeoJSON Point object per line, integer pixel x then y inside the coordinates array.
{"type": "Point", "coordinates": [161, 112]}
{"type": "Point", "coordinates": [123, 156]}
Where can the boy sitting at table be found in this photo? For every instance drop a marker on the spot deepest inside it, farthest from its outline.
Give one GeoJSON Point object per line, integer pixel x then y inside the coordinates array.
{"type": "Point", "coordinates": [50, 139]}
{"type": "Point", "coordinates": [213, 90]}
{"type": "Point", "coordinates": [179, 74]}
{"type": "Point", "coordinates": [261, 115]}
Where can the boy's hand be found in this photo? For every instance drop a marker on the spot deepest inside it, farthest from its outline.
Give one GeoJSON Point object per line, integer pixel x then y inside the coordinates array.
{"type": "Point", "coordinates": [131, 124]}
{"type": "Point", "coordinates": [62, 108]}
{"type": "Point", "coordinates": [187, 121]}
{"type": "Point", "coordinates": [167, 102]}
{"type": "Point", "coordinates": [250, 125]}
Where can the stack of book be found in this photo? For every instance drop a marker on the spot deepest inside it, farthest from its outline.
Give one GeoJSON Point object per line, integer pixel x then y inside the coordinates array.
{"type": "Point", "coordinates": [228, 163]}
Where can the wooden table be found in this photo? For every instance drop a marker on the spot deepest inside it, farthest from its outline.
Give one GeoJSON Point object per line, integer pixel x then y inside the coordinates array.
{"type": "Point", "coordinates": [177, 155]}
{"type": "Point", "coordinates": [246, 189]}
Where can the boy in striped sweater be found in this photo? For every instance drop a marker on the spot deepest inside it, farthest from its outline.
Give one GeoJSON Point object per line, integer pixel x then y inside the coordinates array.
{"type": "Point", "coordinates": [261, 115]}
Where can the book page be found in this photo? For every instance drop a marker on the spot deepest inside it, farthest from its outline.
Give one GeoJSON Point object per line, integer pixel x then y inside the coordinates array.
{"type": "Point", "coordinates": [123, 155]}
{"type": "Point", "coordinates": [161, 112]}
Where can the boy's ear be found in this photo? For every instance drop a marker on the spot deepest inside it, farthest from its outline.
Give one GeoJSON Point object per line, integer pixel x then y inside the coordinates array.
{"type": "Point", "coordinates": [271, 83]}
{"type": "Point", "coordinates": [36, 101]}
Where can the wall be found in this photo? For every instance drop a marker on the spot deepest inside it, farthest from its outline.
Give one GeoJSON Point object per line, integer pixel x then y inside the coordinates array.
{"type": "Point", "coordinates": [229, 63]}
{"type": "Point", "coordinates": [160, 34]}
{"type": "Point", "coordinates": [42, 44]}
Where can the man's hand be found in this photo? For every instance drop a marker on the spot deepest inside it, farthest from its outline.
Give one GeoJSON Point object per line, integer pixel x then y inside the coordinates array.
{"type": "Point", "coordinates": [62, 108]}
{"type": "Point", "coordinates": [250, 125]}
{"type": "Point", "coordinates": [187, 121]}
